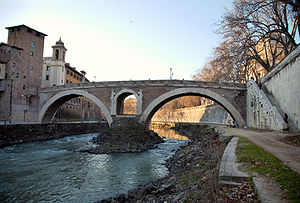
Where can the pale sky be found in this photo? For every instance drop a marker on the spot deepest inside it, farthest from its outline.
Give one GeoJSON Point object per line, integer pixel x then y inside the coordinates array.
{"type": "Point", "coordinates": [123, 39]}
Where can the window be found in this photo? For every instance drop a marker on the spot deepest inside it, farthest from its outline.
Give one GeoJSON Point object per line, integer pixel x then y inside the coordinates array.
{"type": "Point", "coordinates": [13, 64]}
{"type": "Point", "coordinates": [31, 53]}
{"type": "Point", "coordinates": [32, 43]}
{"type": "Point", "coordinates": [48, 68]}
{"type": "Point", "coordinates": [67, 81]}
{"type": "Point", "coordinates": [56, 54]}
{"type": "Point", "coordinates": [70, 82]}
{"type": "Point", "coordinates": [80, 79]}
{"type": "Point", "coordinates": [47, 77]}
{"type": "Point", "coordinates": [31, 68]}
{"type": "Point", "coordinates": [74, 76]}
{"type": "Point", "coordinates": [24, 87]}
{"type": "Point", "coordinates": [17, 75]}
{"type": "Point", "coordinates": [67, 72]}
{"type": "Point", "coordinates": [77, 77]}
{"type": "Point", "coordinates": [24, 76]}
{"type": "Point", "coordinates": [71, 73]}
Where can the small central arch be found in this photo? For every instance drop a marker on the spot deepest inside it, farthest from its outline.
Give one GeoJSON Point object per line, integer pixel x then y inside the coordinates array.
{"type": "Point", "coordinates": [51, 106]}
{"type": "Point", "coordinates": [118, 101]}
{"type": "Point", "coordinates": [124, 104]}
{"type": "Point", "coordinates": [173, 94]}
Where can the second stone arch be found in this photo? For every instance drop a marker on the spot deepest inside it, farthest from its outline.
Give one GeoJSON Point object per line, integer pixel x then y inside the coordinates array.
{"type": "Point", "coordinates": [118, 98]}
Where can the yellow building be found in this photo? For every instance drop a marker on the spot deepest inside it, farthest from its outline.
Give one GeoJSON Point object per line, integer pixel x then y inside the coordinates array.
{"type": "Point", "coordinates": [73, 76]}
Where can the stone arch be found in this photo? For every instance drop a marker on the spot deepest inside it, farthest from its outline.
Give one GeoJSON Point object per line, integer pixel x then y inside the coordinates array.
{"type": "Point", "coordinates": [48, 109]}
{"type": "Point", "coordinates": [119, 97]}
{"type": "Point", "coordinates": [168, 96]}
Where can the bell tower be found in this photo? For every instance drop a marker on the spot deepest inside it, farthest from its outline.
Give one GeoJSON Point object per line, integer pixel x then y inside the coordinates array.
{"type": "Point", "coordinates": [59, 51]}
{"type": "Point", "coordinates": [57, 72]}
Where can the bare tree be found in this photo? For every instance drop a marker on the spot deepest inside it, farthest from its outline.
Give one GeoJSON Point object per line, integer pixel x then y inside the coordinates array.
{"type": "Point", "coordinates": [296, 8]}
{"type": "Point", "coordinates": [264, 30]}
{"type": "Point", "coordinates": [223, 65]}
{"type": "Point", "coordinates": [256, 33]}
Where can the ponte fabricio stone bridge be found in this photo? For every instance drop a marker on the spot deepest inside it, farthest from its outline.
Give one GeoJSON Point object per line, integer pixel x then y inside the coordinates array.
{"type": "Point", "coordinates": [150, 96]}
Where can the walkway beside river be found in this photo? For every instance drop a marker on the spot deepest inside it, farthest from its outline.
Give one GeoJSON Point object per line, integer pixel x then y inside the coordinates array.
{"type": "Point", "coordinates": [271, 141]}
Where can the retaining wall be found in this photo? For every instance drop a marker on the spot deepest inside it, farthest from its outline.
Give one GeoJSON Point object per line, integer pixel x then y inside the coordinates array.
{"type": "Point", "coordinates": [261, 114]}
{"type": "Point", "coordinates": [283, 83]}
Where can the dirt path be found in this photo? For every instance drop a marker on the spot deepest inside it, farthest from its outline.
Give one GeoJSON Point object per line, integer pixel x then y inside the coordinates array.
{"type": "Point", "coordinates": [271, 142]}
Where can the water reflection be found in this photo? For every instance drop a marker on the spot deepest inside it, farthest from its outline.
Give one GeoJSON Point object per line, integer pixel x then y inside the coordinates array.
{"type": "Point", "coordinates": [169, 133]}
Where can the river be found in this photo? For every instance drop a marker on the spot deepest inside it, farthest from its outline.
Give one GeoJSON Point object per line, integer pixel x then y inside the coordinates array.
{"type": "Point", "coordinates": [55, 170]}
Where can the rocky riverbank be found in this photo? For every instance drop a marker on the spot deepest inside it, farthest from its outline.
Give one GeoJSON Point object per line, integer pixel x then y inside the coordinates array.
{"type": "Point", "coordinates": [11, 134]}
{"type": "Point", "coordinates": [124, 139]}
{"type": "Point", "coordinates": [193, 173]}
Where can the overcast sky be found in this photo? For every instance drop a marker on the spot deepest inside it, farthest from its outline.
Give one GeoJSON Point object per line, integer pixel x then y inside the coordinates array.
{"type": "Point", "coordinates": [123, 39]}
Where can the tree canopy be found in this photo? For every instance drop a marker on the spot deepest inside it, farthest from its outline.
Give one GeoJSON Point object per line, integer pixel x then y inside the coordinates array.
{"type": "Point", "coordinates": [256, 33]}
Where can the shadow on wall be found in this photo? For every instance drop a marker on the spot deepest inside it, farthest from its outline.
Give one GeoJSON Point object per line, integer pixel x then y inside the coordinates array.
{"type": "Point", "coordinates": [212, 113]}
{"type": "Point", "coordinates": [216, 114]}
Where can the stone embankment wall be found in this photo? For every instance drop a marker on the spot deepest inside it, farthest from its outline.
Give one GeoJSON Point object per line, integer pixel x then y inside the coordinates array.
{"type": "Point", "coordinates": [283, 84]}
{"type": "Point", "coordinates": [20, 133]}
{"type": "Point", "coordinates": [198, 114]}
{"type": "Point", "coordinates": [261, 114]}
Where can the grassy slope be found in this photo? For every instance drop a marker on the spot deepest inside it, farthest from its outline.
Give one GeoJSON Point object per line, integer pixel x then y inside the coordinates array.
{"type": "Point", "coordinates": [258, 160]}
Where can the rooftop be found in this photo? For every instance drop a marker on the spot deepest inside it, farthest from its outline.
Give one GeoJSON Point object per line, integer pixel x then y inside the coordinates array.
{"type": "Point", "coordinates": [18, 26]}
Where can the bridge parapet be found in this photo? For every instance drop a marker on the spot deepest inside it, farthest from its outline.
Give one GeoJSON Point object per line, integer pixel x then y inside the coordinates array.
{"type": "Point", "coordinates": [148, 83]}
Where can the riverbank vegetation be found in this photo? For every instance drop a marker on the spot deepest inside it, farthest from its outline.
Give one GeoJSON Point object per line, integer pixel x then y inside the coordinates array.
{"type": "Point", "coordinates": [257, 160]}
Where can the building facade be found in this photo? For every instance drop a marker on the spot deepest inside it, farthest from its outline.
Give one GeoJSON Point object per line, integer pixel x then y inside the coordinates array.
{"type": "Point", "coordinates": [23, 70]}
{"type": "Point", "coordinates": [21, 62]}
{"type": "Point", "coordinates": [57, 72]}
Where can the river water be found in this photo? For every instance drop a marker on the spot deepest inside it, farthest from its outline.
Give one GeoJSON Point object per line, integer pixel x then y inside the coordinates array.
{"type": "Point", "coordinates": [54, 171]}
